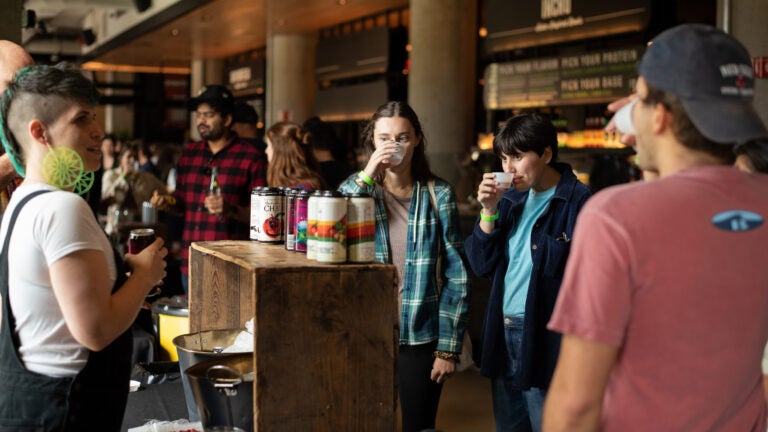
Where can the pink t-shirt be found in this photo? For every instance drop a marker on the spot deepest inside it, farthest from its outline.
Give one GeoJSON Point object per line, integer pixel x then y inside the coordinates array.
{"type": "Point", "coordinates": [686, 302]}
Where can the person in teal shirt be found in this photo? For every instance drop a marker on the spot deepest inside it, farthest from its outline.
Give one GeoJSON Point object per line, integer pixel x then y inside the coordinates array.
{"type": "Point", "coordinates": [522, 240]}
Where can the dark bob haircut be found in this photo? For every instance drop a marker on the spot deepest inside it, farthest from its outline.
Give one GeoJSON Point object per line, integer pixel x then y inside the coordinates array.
{"type": "Point", "coordinates": [526, 132]}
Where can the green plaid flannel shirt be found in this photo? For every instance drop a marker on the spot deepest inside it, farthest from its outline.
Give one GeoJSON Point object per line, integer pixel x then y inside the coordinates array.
{"type": "Point", "coordinates": [425, 315]}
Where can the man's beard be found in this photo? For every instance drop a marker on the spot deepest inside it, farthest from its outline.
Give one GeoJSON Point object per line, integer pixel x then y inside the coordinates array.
{"type": "Point", "coordinates": [214, 134]}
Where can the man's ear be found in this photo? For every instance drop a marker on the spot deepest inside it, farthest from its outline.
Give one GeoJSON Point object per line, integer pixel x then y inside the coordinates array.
{"type": "Point", "coordinates": [228, 121]}
{"type": "Point", "coordinates": [662, 118]}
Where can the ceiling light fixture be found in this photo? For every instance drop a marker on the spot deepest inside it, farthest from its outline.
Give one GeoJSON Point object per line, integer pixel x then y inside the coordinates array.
{"type": "Point", "coordinates": [108, 67]}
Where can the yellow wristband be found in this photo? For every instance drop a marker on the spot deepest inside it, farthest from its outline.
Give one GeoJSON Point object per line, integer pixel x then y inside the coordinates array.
{"type": "Point", "coordinates": [365, 178]}
{"type": "Point", "coordinates": [485, 218]}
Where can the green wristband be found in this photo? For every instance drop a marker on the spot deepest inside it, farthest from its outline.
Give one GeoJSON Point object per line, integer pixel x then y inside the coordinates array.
{"type": "Point", "coordinates": [365, 178]}
{"type": "Point", "coordinates": [485, 218]}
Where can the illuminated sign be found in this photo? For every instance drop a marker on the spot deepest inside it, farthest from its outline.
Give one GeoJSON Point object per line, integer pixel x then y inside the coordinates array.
{"type": "Point", "coordinates": [513, 25]}
{"type": "Point", "coordinates": [573, 79]}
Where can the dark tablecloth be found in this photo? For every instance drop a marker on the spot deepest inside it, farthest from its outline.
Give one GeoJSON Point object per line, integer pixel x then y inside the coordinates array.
{"type": "Point", "coordinates": [163, 401]}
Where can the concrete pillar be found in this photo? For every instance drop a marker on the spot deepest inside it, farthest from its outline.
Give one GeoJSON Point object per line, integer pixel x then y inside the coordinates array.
{"type": "Point", "coordinates": [214, 72]}
{"type": "Point", "coordinates": [203, 72]}
{"type": "Point", "coordinates": [745, 20]}
{"type": "Point", "coordinates": [10, 20]}
{"type": "Point", "coordinates": [118, 119]}
{"type": "Point", "coordinates": [442, 79]}
{"type": "Point", "coordinates": [291, 82]}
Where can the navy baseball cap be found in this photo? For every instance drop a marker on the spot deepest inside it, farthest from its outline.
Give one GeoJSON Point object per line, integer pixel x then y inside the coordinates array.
{"type": "Point", "coordinates": [217, 96]}
{"type": "Point", "coordinates": [711, 73]}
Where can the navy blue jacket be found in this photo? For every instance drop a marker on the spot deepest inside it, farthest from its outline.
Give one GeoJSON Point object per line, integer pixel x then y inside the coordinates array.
{"type": "Point", "coordinates": [549, 251]}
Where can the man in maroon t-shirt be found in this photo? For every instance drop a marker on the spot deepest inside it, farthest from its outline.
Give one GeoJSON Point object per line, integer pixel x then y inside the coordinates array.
{"type": "Point", "coordinates": [664, 307]}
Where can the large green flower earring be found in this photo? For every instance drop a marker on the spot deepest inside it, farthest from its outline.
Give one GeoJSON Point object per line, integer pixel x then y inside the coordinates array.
{"type": "Point", "coordinates": [84, 183]}
{"type": "Point", "coordinates": [63, 168]}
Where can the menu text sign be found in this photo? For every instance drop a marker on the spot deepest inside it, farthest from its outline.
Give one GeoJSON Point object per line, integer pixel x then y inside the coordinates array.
{"type": "Point", "coordinates": [573, 79]}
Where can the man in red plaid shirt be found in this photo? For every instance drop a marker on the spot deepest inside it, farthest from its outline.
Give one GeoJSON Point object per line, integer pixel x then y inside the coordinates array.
{"type": "Point", "coordinates": [241, 167]}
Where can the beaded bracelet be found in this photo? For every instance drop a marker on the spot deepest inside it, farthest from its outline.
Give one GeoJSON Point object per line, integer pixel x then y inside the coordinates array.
{"type": "Point", "coordinates": [485, 218]}
{"type": "Point", "coordinates": [445, 355]}
{"type": "Point", "coordinates": [365, 177]}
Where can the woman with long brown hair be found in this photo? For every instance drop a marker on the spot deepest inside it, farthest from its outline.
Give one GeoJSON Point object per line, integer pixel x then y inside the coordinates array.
{"type": "Point", "coordinates": [418, 230]}
{"type": "Point", "coordinates": [291, 163]}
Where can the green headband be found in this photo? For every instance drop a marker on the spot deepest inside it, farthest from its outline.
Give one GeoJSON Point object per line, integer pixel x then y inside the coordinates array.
{"type": "Point", "coordinates": [12, 155]}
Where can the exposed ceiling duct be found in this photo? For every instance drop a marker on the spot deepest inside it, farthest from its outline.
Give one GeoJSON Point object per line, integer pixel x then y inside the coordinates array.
{"type": "Point", "coordinates": [62, 28]}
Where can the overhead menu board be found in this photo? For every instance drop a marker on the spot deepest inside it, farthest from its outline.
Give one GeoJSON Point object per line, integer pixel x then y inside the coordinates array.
{"type": "Point", "coordinates": [246, 72]}
{"type": "Point", "coordinates": [512, 25]}
{"type": "Point", "coordinates": [573, 79]}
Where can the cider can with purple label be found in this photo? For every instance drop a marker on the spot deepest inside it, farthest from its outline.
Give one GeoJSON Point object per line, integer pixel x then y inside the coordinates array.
{"type": "Point", "coordinates": [300, 227]}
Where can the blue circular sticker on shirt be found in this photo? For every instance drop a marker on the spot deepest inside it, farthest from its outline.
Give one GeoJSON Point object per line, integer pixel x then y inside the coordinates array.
{"type": "Point", "coordinates": [737, 220]}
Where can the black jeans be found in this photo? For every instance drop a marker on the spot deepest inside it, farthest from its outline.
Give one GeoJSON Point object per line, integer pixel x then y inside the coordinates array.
{"type": "Point", "coordinates": [419, 395]}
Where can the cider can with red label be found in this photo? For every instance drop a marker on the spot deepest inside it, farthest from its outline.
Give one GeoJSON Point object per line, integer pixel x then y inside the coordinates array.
{"type": "Point", "coordinates": [270, 220]}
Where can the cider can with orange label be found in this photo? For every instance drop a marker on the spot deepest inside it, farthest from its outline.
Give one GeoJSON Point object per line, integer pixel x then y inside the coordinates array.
{"type": "Point", "coordinates": [312, 206]}
{"type": "Point", "coordinates": [331, 237]}
{"type": "Point", "coordinates": [361, 229]}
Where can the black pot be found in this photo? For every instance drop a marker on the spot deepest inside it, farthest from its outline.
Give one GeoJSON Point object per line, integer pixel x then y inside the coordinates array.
{"type": "Point", "coordinates": [223, 391]}
{"type": "Point", "coordinates": [196, 347]}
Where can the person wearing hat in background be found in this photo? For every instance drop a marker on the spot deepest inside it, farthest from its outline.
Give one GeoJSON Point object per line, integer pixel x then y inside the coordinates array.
{"type": "Point", "coordinates": [664, 306]}
{"type": "Point", "coordinates": [241, 167]}
{"type": "Point", "coordinates": [328, 151]}
{"type": "Point", "coordinates": [245, 123]}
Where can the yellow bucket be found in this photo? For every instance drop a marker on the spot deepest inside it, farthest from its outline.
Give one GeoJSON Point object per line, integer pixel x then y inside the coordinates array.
{"type": "Point", "coordinates": [171, 317]}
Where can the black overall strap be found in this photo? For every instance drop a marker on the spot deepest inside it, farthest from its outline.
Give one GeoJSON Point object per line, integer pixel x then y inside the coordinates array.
{"type": "Point", "coordinates": [9, 321]}
{"type": "Point", "coordinates": [93, 400]}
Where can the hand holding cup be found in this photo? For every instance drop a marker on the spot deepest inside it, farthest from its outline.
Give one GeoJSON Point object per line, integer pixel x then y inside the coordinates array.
{"type": "Point", "coordinates": [490, 190]}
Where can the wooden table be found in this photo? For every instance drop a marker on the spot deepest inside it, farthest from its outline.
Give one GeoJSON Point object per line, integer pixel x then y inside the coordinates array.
{"type": "Point", "coordinates": [325, 335]}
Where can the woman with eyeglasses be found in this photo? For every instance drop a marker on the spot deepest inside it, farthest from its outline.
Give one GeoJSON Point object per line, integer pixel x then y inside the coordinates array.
{"type": "Point", "coordinates": [417, 225]}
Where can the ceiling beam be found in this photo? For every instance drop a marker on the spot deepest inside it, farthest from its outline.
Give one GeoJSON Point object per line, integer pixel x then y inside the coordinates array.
{"type": "Point", "coordinates": [52, 4]}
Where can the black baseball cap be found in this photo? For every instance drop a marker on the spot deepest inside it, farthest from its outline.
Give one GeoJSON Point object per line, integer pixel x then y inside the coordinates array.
{"type": "Point", "coordinates": [711, 73]}
{"type": "Point", "coordinates": [217, 96]}
{"type": "Point", "coordinates": [244, 113]}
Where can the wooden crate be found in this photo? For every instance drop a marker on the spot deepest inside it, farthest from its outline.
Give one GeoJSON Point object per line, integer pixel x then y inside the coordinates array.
{"type": "Point", "coordinates": [325, 335]}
